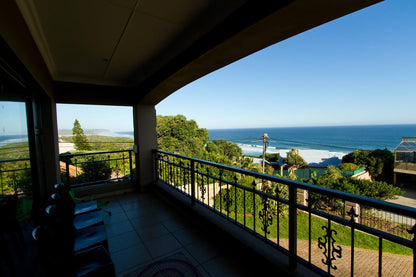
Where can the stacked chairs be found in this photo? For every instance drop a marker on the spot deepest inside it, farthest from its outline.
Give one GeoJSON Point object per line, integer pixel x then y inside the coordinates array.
{"type": "Point", "coordinates": [12, 242]}
{"type": "Point", "coordinates": [72, 244]}
{"type": "Point", "coordinates": [83, 215]}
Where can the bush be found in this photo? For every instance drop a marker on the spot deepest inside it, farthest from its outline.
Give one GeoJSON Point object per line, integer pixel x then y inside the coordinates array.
{"type": "Point", "coordinates": [94, 171]}
{"type": "Point", "coordinates": [348, 166]}
{"type": "Point", "coordinates": [379, 163]}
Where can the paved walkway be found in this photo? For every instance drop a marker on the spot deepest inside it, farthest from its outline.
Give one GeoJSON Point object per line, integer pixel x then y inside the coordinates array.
{"type": "Point", "coordinates": [365, 261]}
{"type": "Point", "coordinates": [407, 199]}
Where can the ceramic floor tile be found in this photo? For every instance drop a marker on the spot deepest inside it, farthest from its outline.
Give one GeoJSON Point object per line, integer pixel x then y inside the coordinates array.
{"type": "Point", "coordinates": [202, 251]}
{"type": "Point", "coordinates": [221, 267]}
{"type": "Point", "coordinates": [123, 241]}
{"type": "Point", "coordinates": [130, 257]}
{"type": "Point", "coordinates": [187, 236]}
{"type": "Point", "coordinates": [114, 218]}
{"type": "Point", "coordinates": [152, 231]}
{"type": "Point", "coordinates": [118, 228]}
{"type": "Point", "coordinates": [146, 221]}
{"type": "Point", "coordinates": [162, 245]}
{"type": "Point", "coordinates": [175, 224]}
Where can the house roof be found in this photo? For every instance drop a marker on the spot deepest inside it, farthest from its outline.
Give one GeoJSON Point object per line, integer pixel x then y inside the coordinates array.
{"type": "Point", "coordinates": [408, 144]}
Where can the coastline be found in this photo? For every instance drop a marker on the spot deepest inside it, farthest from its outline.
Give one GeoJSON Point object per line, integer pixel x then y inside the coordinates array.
{"type": "Point", "coordinates": [314, 157]}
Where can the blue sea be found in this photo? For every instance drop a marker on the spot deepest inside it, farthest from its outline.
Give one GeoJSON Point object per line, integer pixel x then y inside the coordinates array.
{"type": "Point", "coordinates": [320, 146]}
{"type": "Point", "coordinates": [12, 138]}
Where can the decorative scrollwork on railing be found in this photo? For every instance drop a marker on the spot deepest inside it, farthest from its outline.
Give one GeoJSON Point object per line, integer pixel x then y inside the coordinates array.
{"type": "Point", "coordinates": [310, 202]}
{"type": "Point", "coordinates": [331, 252]}
{"type": "Point", "coordinates": [203, 190]}
{"type": "Point", "coordinates": [170, 170]}
{"type": "Point", "coordinates": [413, 232]}
{"type": "Point", "coordinates": [265, 215]}
{"type": "Point", "coordinates": [228, 200]}
{"type": "Point", "coordinates": [352, 214]}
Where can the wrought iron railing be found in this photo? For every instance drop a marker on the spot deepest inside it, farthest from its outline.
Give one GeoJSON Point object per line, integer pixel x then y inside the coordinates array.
{"type": "Point", "coordinates": [321, 228]}
{"type": "Point", "coordinates": [15, 176]}
{"type": "Point", "coordinates": [98, 167]}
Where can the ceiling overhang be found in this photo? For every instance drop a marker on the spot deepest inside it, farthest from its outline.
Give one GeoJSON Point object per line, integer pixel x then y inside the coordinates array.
{"type": "Point", "coordinates": [124, 52]}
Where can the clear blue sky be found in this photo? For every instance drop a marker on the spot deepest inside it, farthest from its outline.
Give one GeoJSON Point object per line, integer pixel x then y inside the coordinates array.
{"type": "Point", "coordinates": [356, 70]}
{"type": "Point", "coordinates": [12, 118]}
{"type": "Point", "coordinates": [359, 69]}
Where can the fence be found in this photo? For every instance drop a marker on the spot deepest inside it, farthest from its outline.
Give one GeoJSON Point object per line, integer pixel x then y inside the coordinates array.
{"type": "Point", "coordinates": [306, 173]}
{"type": "Point", "coordinates": [349, 173]}
{"type": "Point", "coordinates": [15, 176]}
{"type": "Point", "coordinates": [98, 167]}
{"type": "Point", "coordinates": [323, 233]}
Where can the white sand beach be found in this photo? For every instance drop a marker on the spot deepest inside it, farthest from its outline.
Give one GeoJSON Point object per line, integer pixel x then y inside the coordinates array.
{"type": "Point", "coordinates": [313, 157]}
{"type": "Point", "coordinates": [66, 147]}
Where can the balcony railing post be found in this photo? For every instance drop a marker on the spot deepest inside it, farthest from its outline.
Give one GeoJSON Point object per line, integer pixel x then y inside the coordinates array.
{"type": "Point", "coordinates": [193, 183]}
{"type": "Point", "coordinates": [67, 159]}
{"type": "Point", "coordinates": [292, 228]}
{"type": "Point", "coordinates": [131, 164]}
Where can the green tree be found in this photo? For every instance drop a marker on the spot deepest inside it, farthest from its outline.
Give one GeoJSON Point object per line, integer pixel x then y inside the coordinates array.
{"type": "Point", "coordinates": [358, 157]}
{"type": "Point", "coordinates": [176, 134]}
{"type": "Point", "coordinates": [294, 159]}
{"type": "Point", "coordinates": [348, 166]}
{"type": "Point", "coordinates": [379, 163]}
{"type": "Point", "coordinates": [333, 173]}
{"type": "Point", "coordinates": [275, 157]}
{"type": "Point", "coordinates": [79, 138]}
{"type": "Point", "coordinates": [229, 149]}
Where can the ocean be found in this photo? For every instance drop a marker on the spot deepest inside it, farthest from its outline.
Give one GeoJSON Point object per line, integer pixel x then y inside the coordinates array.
{"type": "Point", "coordinates": [11, 139]}
{"type": "Point", "coordinates": [319, 146]}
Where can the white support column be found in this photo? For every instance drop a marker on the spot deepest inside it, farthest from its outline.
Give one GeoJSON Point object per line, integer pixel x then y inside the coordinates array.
{"type": "Point", "coordinates": [145, 140]}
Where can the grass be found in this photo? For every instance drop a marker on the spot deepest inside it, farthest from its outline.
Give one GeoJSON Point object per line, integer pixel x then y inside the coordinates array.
{"type": "Point", "coordinates": [105, 143]}
{"type": "Point", "coordinates": [343, 236]}
{"type": "Point", "coordinates": [15, 150]}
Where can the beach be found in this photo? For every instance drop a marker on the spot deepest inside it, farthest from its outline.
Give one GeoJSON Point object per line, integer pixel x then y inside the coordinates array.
{"type": "Point", "coordinates": [314, 157]}
{"type": "Point", "coordinates": [66, 147]}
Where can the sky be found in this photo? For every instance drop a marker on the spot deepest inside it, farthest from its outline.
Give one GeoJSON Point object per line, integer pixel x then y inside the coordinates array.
{"type": "Point", "coordinates": [356, 70]}
{"type": "Point", "coordinates": [12, 119]}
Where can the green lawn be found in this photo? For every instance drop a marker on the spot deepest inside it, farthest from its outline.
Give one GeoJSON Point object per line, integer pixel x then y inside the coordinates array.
{"type": "Point", "coordinates": [343, 236]}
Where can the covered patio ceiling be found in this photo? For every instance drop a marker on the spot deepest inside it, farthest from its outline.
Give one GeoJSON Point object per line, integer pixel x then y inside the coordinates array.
{"type": "Point", "coordinates": [124, 52]}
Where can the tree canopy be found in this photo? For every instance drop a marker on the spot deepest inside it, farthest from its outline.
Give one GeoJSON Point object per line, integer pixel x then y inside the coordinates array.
{"type": "Point", "coordinates": [229, 149]}
{"type": "Point", "coordinates": [79, 138]}
{"type": "Point", "coordinates": [379, 163]}
{"type": "Point", "coordinates": [176, 134]}
{"type": "Point", "coordinates": [294, 159]}
{"type": "Point", "coordinates": [332, 172]}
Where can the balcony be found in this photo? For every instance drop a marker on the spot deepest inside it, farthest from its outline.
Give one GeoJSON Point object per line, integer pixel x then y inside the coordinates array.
{"type": "Point", "coordinates": [231, 216]}
{"type": "Point", "coordinates": [327, 231]}
{"type": "Point", "coordinates": [110, 69]}
{"type": "Point", "coordinates": [405, 167]}
{"type": "Point", "coordinates": [98, 172]}
{"type": "Point", "coordinates": [145, 230]}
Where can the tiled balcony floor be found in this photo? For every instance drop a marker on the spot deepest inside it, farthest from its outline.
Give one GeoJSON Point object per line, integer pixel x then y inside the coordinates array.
{"type": "Point", "coordinates": [144, 228]}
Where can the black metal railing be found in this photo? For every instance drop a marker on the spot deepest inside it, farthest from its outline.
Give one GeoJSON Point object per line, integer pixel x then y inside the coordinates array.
{"type": "Point", "coordinates": [98, 167]}
{"type": "Point", "coordinates": [15, 176]}
{"type": "Point", "coordinates": [321, 228]}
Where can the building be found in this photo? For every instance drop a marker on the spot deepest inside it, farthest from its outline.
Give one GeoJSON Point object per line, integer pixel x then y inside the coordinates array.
{"type": "Point", "coordinates": [137, 53]}
{"type": "Point", "coordinates": [405, 162]}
